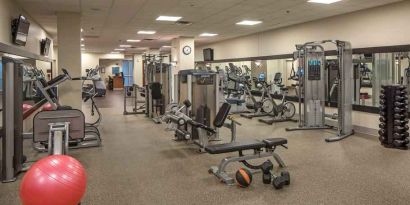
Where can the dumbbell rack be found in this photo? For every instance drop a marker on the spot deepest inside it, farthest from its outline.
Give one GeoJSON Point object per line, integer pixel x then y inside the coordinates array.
{"type": "Point", "coordinates": [393, 126]}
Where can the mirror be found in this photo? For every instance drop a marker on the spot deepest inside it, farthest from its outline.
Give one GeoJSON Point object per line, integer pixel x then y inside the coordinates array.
{"type": "Point", "coordinates": [32, 71]}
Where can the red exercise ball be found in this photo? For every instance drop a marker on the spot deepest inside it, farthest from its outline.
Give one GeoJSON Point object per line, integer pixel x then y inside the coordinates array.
{"type": "Point", "coordinates": [26, 107]}
{"type": "Point", "coordinates": [47, 107]}
{"type": "Point", "coordinates": [54, 180]}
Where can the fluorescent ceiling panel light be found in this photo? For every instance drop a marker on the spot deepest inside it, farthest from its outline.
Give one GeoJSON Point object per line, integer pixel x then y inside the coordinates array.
{"type": "Point", "coordinates": [125, 46]}
{"type": "Point", "coordinates": [166, 46]}
{"type": "Point", "coordinates": [133, 40]}
{"type": "Point", "coordinates": [168, 18]}
{"type": "Point", "coordinates": [119, 49]}
{"type": "Point", "coordinates": [82, 45]}
{"type": "Point", "coordinates": [324, 1]}
{"type": "Point", "coordinates": [82, 39]}
{"type": "Point", "coordinates": [82, 30]}
{"type": "Point", "coordinates": [208, 34]}
{"type": "Point", "coordinates": [115, 52]}
{"type": "Point", "coordinates": [146, 32]}
{"type": "Point", "coordinates": [248, 23]}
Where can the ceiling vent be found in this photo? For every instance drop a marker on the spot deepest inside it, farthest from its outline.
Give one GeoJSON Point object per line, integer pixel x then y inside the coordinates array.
{"type": "Point", "coordinates": [183, 23]}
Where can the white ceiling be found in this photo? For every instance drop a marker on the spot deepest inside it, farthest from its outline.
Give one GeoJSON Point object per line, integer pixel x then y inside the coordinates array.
{"type": "Point", "coordinates": [108, 22]}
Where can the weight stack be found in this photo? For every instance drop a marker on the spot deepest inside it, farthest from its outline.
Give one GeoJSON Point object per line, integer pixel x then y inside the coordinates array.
{"type": "Point", "coordinates": [393, 126]}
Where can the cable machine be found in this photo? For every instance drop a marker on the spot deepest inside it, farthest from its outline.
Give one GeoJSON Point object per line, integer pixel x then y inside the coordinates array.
{"type": "Point", "coordinates": [158, 89]}
{"type": "Point", "coordinates": [311, 58]}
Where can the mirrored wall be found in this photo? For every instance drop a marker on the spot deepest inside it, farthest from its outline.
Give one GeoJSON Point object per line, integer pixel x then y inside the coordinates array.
{"type": "Point", "coordinates": [33, 70]}
{"type": "Point", "coordinates": [371, 71]}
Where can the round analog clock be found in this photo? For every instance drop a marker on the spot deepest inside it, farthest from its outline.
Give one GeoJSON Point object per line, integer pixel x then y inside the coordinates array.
{"type": "Point", "coordinates": [187, 50]}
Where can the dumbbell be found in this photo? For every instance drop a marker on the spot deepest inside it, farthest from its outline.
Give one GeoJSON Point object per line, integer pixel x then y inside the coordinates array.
{"type": "Point", "coordinates": [400, 143]}
{"type": "Point", "coordinates": [279, 181]}
{"type": "Point", "coordinates": [382, 125]}
{"type": "Point", "coordinates": [400, 129]}
{"type": "Point", "coordinates": [399, 104]}
{"type": "Point", "coordinates": [401, 98]}
{"type": "Point", "coordinates": [382, 119]}
{"type": "Point", "coordinates": [401, 122]}
{"type": "Point", "coordinates": [399, 116]}
{"type": "Point", "coordinates": [382, 132]}
{"type": "Point", "coordinates": [382, 107]}
{"type": "Point", "coordinates": [399, 136]}
{"type": "Point", "coordinates": [399, 110]}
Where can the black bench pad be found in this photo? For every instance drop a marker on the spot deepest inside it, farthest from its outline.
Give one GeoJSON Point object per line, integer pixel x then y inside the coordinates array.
{"type": "Point", "coordinates": [234, 146]}
{"type": "Point", "coordinates": [275, 142]}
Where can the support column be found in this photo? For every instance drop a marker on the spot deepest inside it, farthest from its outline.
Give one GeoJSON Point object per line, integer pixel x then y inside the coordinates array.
{"type": "Point", "coordinates": [69, 56]}
{"type": "Point", "coordinates": [183, 61]}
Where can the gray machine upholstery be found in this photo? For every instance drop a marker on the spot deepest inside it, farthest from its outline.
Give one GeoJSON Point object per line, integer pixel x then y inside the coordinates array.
{"type": "Point", "coordinates": [42, 120]}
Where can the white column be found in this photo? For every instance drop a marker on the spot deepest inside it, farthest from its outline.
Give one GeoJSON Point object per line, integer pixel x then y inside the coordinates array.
{"type": "Point", "coordinates": [69, 56]}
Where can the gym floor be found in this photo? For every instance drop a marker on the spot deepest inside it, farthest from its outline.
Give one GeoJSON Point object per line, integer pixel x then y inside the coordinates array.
{"type": "Point", "coordinates": [139, 163]}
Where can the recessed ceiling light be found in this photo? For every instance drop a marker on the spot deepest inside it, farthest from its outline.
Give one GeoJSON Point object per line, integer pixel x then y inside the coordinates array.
{"type": "Point", "coordinates": [168, 18]}
{"type": "Point", "coordinates": [82, 39]}
{"type": "Point", "coordinates": [82, 45]}
{"type": "Point", "coordinates": [166, 46]}
{"type": "Point", "coordinates": [146, 32]}
{"type": "Point", "coordinates": [208, 34]}
{"type": "Point", "coordinates": [133, 40]}
{"type": "Point", "coordinates": [324, 1]}
{"type": "Point", "coordinates": [119, 49]}
{"type": "Point", "coordinates": [125, 46]}
{"type": "Point", "coordinates": [82, 30]}
{"type": "Point", "coordinates": [248, 22]}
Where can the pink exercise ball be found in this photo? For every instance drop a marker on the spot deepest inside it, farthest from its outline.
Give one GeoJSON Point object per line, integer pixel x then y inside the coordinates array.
{"type": "Point", "coordinates": [26, 107]}
{"type": "Point", "coordinates": [54, 180]}
{"type": "Point", "coordinates": [47, 107]}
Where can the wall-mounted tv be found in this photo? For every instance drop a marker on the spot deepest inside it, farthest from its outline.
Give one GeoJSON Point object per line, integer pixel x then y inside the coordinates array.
{"type": "Point", "coordinates": [19, 30]}
{"type": "Point", "coordinates": [208, 54]}
{"type": "Point", "coordinates": [45, 46]}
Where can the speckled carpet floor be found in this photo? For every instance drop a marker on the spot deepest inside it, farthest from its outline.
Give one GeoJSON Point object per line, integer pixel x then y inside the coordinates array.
{"type": "Point", "coordinates": [139, 163]}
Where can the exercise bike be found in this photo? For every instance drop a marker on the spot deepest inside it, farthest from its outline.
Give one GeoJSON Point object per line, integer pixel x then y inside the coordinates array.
{"type": "Point", "coordinates": [282, 112]}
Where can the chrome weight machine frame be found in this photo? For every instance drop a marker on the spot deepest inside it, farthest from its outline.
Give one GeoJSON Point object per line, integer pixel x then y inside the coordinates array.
{"type": "Point", "coordinates": [311, 58]}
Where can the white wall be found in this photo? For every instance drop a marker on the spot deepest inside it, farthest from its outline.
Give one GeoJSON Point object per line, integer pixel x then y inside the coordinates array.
{"type": "Point", "coordinates": [90, 60]}
{"type": "Point", "coordinates": [10, 10]}
{"type": "Point", "coordinates": [381, 26]}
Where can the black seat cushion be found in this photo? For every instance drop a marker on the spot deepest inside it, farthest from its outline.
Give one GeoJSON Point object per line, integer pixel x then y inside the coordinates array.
{"type": "Point", "coordinates": [275, 142]}
{"type": "Point", "coordinates": [284, 89]}
{"type": "Point", "coordinates": [222, 114]}
{"type": "Point", "coordinates": [234, 146]}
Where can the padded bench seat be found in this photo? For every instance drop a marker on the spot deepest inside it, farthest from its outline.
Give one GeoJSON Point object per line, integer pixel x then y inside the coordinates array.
{"type": "Point", "coordinates": [245, 145]}
{"type": "Point", "coordinates": [273, 142]}
{"type": "Point", "coordinates": [234, 146]}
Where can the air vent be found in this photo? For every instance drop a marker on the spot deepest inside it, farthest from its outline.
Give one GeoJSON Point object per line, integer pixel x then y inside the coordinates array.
{"type": "Point", "coordinates": [183, 23]}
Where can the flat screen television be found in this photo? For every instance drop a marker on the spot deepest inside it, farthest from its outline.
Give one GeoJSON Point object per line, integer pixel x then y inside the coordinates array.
{"type": "Point", "coordinates": [45, 46]}
{"type": "Point", "coordinates": [208, 54]}
{"type": "Point", "coordinates": [19, 29]}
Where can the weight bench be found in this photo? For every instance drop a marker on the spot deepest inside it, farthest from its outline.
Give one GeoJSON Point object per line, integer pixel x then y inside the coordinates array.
{"type": "Point", "coordinates": [262, 149]}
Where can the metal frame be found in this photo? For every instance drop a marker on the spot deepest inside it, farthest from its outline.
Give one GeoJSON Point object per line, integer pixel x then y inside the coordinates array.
{"type": "Point", "coordinates": [220, 170]}
{"type": "Point", "coordinates": [344, 115]}
{"type": "Point", "coordinates": [12, 128]}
